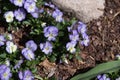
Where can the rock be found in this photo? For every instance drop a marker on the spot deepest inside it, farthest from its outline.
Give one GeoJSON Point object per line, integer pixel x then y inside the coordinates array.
{"type": "Point", "coordinates": [84, 10]}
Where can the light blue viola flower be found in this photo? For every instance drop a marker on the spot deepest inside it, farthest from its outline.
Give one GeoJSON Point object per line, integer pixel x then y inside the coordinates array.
{"type": "Point", "coordinates": [102, 77]}
{"type": "Point", "coordinates": [74, 36]}
{"type": "Point", "coordinates": [5, 73]}
{"type": "Point", "coordinates": [70, 46]}
{"type": "Point", "coordinates": [51, 32]}
{"type": "Point", "coordinates": [85, 40]}
{"type": "Point", "coordinates": [36, 13]}
{"type": "Point", "coordinates": [28, 54]}
{"type": "Point", "coordinates": [2, 40]}
{"type": "Point", "coordinates": [30, 6]}
{"type": "Point", "coordinates": [9, 16]}
{"type": "Point", "coordinates": [26, 75]}
{"type": "Point", "coordinates": [2, 68]}
{"type": "Point", "coordinates": [18, 2]}
{"type": "Point", "coordinates": [10, 47]}
{"type": "Point", "coordinates": [81, 27]}
{"type": "Point", "coordinates": [46, 47]}
{"type": "Point", "coordinates": [20, 14]}
{"type": "Point", "coordinates": [57, 14]}
{"type": "Point", "coordinates": [31, 45]}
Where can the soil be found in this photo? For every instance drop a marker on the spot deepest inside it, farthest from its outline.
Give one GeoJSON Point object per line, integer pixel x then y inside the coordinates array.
{"type": "Point", "coordinates": [104, 45]}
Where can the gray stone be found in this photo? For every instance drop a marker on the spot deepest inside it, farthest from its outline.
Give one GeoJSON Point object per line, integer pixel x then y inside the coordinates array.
{"type": "Point", "coordinates": [85, 10]}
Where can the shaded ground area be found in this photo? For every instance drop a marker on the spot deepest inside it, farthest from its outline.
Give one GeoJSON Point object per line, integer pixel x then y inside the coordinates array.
{"type": "Point", "coordinates": [104, 45]}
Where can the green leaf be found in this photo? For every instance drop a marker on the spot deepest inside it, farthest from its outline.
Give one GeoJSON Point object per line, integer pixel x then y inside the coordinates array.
{"type": "Point", "coordinates": [34, 70]}
{"type": "Point", "coordinates": [61, 33]}
{"type": "Point", "coordinates": [43, 58]}
{"type": "Point", "coordinates": [70, 56]}
{"type": "Point", "coordinates": [77, 49]}
{"type": "Point", "coordinates": [3, 55]}
{"type": "Point", "coordinates": [28, 63]}
{"type": "Point", "coordinates": [52, 58]}
{"type": "Point", "coordinates": [26, 22]}
{"type": "Point", "coordinates": [78, 57]}
{"type": "Point", "coordinates": [99, 69]}
{"type": "Point", "coordinates": [38, 77]}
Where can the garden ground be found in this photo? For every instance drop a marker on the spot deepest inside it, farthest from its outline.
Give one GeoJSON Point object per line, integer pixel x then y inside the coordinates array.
{"type": "Point", "coordinates": [104, 45]}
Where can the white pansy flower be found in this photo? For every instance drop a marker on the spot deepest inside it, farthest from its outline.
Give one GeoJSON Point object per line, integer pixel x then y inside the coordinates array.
{"type": "Point", "coordinates": [11, 47]}
{"type": "Point", "coordinates": [71, 47]}
{"type": "Point", "coordinates": [9, 16]}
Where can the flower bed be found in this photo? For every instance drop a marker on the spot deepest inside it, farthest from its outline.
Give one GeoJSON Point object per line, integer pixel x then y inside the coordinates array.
{"type": "Point", "coordinates": [38, 41]}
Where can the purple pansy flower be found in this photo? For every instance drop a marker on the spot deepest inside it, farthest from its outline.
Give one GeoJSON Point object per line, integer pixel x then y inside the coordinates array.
{"type": "Point", "coordinates": [28, 54]}
{"type": "Point", "coordinates": [5, 73]}
{"type": "Point", "coordinates": [26, 75]}
{"type": "Point", "coordinates": [102, 77]}
{"type": "Point", "coordinates": [36, 13]}
{"type": "Point", "coordinates": [51, 32]}
{"type": "Point", "coordinates": [46, 47]}
{"type": "Point", "coordinates": [30, 6]}
{"type": "Point", "coordinates": [82, 30]}
{"type": "Point", "coordinates": [18, 2]}
{"type": "Point", "coordinates": [20, 14]}
{"type": "Point", "coordinates": [57, 14]}
{"type": "Point", "coordinates": [74, 36]}
{"type": "Point", "coordinates": [2, 40]}
{"type": "Point", "coordinates": [81, 27]}
{"type": "Point", "coordinates": [31, 45]}
{"type": "Point", "coordinates": [2, 68]}
{"type": "Point", "coordinates": [18, 64]}
{"type": "Point", "coordinates": [85, 40]}
{"type": "Point", "coordinates": [71, 46]}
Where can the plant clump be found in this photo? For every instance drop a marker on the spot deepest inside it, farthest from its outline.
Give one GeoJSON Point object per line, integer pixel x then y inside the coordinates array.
{"type": "Point", "coordinates": [51, 36]}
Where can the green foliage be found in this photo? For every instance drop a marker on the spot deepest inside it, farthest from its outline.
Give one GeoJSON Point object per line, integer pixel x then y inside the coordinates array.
{"type": "Point", "coordinates": [108, 67]}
